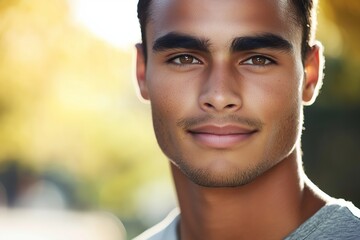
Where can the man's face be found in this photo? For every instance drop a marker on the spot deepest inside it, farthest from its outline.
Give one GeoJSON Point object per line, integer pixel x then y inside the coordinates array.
{"type": "Point", "coordinates": [225, 81]}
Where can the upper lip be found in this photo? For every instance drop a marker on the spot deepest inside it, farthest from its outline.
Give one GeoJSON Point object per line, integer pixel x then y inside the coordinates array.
{"type": "Point", "coordinates": [230, 129]}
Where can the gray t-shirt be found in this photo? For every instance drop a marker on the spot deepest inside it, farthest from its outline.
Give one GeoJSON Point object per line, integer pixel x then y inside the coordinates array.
{"type": "Point", "coordinates": [336, 220]}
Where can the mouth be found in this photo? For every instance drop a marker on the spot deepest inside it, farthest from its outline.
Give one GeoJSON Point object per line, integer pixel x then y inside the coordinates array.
{"type": "Point", "coordinates": [221, 137]}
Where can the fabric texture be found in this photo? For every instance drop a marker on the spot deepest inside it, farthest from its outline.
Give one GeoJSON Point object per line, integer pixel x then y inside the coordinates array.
{"type": "Point", "coordinates": [338, 219]}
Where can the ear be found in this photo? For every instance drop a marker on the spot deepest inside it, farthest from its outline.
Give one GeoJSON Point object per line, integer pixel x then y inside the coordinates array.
{"type": "Point", "coordinates": [314, 65]}
{"type": "Point", "coordinates": [141, 72]}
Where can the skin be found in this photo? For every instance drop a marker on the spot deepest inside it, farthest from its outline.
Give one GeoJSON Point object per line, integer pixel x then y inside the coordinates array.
{"type": "Point", "coordinates": [229, 118]}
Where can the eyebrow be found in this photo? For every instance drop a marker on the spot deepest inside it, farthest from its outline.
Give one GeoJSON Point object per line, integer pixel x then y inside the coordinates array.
{"type": "Point", "coordinates": [174, 40]}
{"type": "Point", "coordinates": [268, 40]}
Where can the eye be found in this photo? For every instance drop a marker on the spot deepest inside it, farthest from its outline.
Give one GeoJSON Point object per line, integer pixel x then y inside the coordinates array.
{"type": "Point", "coordinates": [184, 60]}
{"type": "Point", "coordinates": [258, 61]}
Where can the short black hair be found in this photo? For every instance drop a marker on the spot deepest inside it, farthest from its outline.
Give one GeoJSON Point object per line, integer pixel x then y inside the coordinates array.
{"type": "Point", "coordinates": [305, 13]}
{"type": "Point", "coordinates": [143, 10]}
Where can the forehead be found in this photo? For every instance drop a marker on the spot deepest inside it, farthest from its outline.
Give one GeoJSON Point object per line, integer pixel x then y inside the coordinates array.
{"type": "Point", "coordinates": [222, 20]}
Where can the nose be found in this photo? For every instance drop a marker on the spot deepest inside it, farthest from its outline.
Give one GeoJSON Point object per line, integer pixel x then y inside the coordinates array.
{"type": "Point", "coordinates": [221, 91]}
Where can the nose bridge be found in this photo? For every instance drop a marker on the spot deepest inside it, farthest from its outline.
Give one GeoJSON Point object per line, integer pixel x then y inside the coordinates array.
{"type": "Point", "coordinates": [221, 89]}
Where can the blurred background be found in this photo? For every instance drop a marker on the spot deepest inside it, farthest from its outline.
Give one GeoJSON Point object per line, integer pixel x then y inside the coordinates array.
{"type": "Point", "coordinates": [74, 136]}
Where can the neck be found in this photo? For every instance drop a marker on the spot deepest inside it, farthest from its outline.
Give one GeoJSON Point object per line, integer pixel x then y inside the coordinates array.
{"type": "Point", "coordinates": [272, 206]}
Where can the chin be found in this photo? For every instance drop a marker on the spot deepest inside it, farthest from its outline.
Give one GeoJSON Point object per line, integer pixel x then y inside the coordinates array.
{"type": "Point", "coordinates": [223, 175]}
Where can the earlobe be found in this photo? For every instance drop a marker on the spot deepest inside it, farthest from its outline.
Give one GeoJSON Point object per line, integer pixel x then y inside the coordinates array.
{"type": "Point", "coordinates": [141, 72]}
{"type": "Point", "coordinates": [314, 64]}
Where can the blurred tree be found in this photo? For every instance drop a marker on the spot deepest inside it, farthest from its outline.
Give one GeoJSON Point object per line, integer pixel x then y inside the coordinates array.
{"type": "Point", "coordinates": [67, 98]}
{"type": "Point", "coordinates": [340, 33]}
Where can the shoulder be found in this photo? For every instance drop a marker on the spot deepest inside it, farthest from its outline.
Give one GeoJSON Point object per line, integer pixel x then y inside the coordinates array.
{"type": "Point", "coordinates": [345, 219]}
{"type": "Point", "coordinates": [165, 230]}
{"type": "Point", "coordinates": [338, 219]}
{"type": "Point", "coordinates": [342, 214]}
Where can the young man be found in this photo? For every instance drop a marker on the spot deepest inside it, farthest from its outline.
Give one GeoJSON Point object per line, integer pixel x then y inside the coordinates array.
{"type": "Point", "coordinates": [227, 82]}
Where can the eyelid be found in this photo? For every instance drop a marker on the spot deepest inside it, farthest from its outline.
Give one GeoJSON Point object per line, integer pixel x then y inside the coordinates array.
{"type": "Point", "coordinates": [176, 56]}
{"type": "Point", "coordinates": [268, 59]}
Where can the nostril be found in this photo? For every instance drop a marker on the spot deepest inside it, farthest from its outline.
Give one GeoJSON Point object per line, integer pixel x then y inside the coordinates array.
{"type": "Point", "coordinates": [230, 106]}
{"type": "Point", "coordinates": [208, 105]}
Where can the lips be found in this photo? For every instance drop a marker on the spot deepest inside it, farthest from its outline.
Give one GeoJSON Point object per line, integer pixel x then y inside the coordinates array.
{"type": "Point", "coordinates": [221, 137]}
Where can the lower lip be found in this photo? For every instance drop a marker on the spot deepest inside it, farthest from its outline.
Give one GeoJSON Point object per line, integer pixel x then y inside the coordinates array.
{"type": "Point", "coordinates": [220, 141]}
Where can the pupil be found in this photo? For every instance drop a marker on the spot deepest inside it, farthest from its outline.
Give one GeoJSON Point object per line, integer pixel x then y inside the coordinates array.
{"type": "Point", "coordinates": [259, 60]}
{"type": "Point", "coordinates": [186, 59]}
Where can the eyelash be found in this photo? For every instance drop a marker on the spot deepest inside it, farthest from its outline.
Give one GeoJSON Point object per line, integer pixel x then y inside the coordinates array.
{"type": "Point", "coordinates": [178, 62]}
{"type": "Point", "coordinates": [268, 61]}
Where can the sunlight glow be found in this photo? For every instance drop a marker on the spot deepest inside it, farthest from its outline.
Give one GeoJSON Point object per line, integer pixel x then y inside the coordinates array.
{"type": "Point", "coordinates": [114, 21]}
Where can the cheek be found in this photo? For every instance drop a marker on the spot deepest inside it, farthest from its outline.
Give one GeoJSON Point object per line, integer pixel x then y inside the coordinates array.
{"type": "Point", "coordinates": [171, 95]}
{"type": "Point", "coordinates": [170, 100]}
{"type": "Point", "coordinates": [277, 92]}
{"type": "Point", "coordinates": [162, 106]}
{"type": "Point", "coordinates": [161, 93]}
{"type": "Point", "coordinates": [279, 105]}
{"type": "Point", "coordinates": [162, 119]}
{"type": "Point", "coordinates": [165, 101]}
